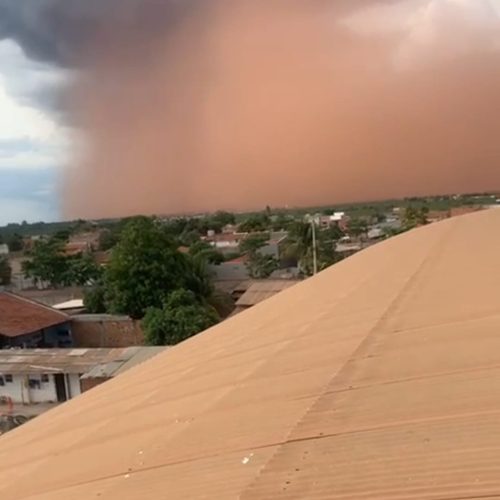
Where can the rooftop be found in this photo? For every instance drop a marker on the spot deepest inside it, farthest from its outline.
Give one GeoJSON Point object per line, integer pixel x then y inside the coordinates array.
{"type": "Point", "coordinates": [376, 379]}
{"type": "Point", "coordinates": [262, 290]}
{"type": "Point", "coordinates": [21, 316]}
{"type": "Point", "coordinates": [91, 362]}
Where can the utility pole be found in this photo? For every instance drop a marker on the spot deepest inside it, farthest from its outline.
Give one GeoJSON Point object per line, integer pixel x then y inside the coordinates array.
{"type": "Point", "coordinates": [315, 255]}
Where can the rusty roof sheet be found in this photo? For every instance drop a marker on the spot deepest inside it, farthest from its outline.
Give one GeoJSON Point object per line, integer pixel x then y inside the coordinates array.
{"type": "Point", "coordinates": [377, 379]}
{"type": "Point", "coordinates": [21, 316]}
{"type": "Point", "coordinates": [262, 290]}
{"type": "Point", "coordinates": [93, 362]}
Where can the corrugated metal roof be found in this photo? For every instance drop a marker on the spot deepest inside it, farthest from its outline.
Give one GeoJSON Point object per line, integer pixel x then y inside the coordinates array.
{"type": "Point", "coordinates": [93, 362]}
{"type": "Point", "coordinates": [21, 316]}
{"type": "Point", "coordinates": [263, 290]}
{"type": "Point", "coordinates": [377, 379]}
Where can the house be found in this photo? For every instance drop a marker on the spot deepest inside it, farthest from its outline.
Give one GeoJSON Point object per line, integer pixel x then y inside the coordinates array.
{"type": "Point", "coordinates": [105, 330]}
{"type": "Point", "coordinates": [4, 249]}
{"type": "Point", "coordinates": [274, 246]}
{"type": "Point", "coordinates": [375, 233]}
{"type": "Point", "coordinates": [29, 376]}
{"type": "Point", "coordinates": [26, 323]}
{"type": "Point", "coordinates": [260, 290]}
{"type": "Point", "coordinates": [225, 242]}
{"type": "Point", "coordinates": [231, 270]}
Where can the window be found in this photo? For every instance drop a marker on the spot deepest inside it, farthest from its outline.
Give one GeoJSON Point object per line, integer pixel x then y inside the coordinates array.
{"type": "Point", "coordinates": [8, 378]}
{"type": "Point", "coordinates": [45, 378]}
{"type": "Point", "coordinates": [2, 381]}
{"type": "Point", "coordinates": [34, 383]}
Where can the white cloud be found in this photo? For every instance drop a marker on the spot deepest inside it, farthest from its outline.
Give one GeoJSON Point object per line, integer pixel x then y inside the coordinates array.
{"type": "Point", "coordinates": [21, 81]}
{"type": "Point", "coordinates": [444, 29]}
{"type": "Point", "coordinates": [32, 141]}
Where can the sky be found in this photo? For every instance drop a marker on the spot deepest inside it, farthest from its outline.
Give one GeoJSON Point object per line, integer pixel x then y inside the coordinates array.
{"type": "Point", "coordinates": [33, 142]}
{"type": "Point", "coordinates": [38, 143]}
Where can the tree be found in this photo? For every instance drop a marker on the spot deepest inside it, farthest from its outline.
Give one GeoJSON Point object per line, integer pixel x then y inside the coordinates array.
{"type": "Point", "coordinates": [15, 242]}
{"type": "Point", "coordinates": [82, 270]}
{"type": "Point", "coordinates": [259, 265]}
{"type": "Point", "coordinates": [415, 216]}
{"type": "Point", "coordinates": [48, 263]}
{"type": "Point", "coordinates": [108, 239]}
{"type": "Point", "coordinates": [255, 223]}
{"type": "Point", "coordinates": [203, 250]}
{"type": "Point", "coordinates": [223, 218]}
{"type": "Point", "coordinates": [253, 243]}
{"type": "Point", "coordinates": [5, 272]}
{"type": "Point", "coordinates": [299, 247]}
{"type": "Point", "coordinates": [146, 267]}
{"type": "Point", "coordinates": [94, 300]}
{"type": "Point", "coordinates": [357, 227]}
{"type": "Point", "coordinates": [181, 317]}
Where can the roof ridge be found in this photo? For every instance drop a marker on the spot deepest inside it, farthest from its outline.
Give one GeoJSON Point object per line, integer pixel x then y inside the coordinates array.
{"type": "Point", "coordinates": [393, 304]}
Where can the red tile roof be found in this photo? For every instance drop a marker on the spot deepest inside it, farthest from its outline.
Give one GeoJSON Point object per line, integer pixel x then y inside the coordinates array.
{"type": "Point", "coordinates": [20, 316]}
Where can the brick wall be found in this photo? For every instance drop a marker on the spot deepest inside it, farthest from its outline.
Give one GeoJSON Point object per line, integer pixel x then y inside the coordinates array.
{"type": "Point", "coordinates": [89, 383]}
{"type": "Point", "coordinates": [103, 331]}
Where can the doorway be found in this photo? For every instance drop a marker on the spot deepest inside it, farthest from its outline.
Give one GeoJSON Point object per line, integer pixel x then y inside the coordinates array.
{"type": "Point", "coordinates": [60, 387]}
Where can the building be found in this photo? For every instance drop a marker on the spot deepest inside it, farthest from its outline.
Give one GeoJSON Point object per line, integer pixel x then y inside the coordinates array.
{"type": "Point", "coordinates": [70, 307]}
{"type": "Point", "coordinates": [105, 330]}
{"type": "Point", "coordinates": [4, 249]}
{"type": "Point", "coordinates": [376, 379]}
{"type": "Point", "coordinates": [30, 376]}
{"type": "Point", "coordinates": [275, 245]}
{"type": "Point", "coordinates": [26, 323]}
{"type": "Point", "coordinates": [261, 290]}
{"type": "Point", "coordinates": [226, 243]}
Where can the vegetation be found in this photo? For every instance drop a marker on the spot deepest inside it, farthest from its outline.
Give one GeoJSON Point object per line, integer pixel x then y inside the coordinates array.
{"type": "Point", "coordinates": [415, 216]}
{"type": "Point", "coordinates": [203, 250]}
{"type": "Point", "coordinates": [259, 265]}
{"type": "Point", "coordinates": [299, 248]}
{"type": "Point", "coordinates": [48, 263]}
{"type": "Point", "coordinates": [181, 316]}
{"type": "Point", "coordinates": [146, 268]}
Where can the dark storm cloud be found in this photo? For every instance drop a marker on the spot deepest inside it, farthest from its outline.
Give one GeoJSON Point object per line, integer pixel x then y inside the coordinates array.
{"type": "Point", "coordinates": [59, 30]}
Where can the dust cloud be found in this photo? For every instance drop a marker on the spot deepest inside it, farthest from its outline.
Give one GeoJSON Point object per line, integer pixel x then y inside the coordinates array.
{"type": "Point", "coordinates": [243, 104]}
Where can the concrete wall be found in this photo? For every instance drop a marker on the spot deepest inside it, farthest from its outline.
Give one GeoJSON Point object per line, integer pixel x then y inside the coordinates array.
{"type": "Point", "coordinates": [19, 389]}
{"type": "Point", "coordinates": [100, 331]}
{"type": "Point", "coordinates": [20, 392]}
{"type": "Point", "coordinates": [73, 384]}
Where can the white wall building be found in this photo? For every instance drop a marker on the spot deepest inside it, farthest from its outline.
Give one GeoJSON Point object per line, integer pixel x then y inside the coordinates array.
{"type": "Point", "coordinates": [30, 376]}
{"type": "Point", "coordinates": [39, 388]}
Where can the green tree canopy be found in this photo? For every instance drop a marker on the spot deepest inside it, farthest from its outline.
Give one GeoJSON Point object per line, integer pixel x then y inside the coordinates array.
{"type": "Point", "coordinates": [146, 267]}
{"type": "Point", "coordinates": [299, 247]}
{"type": "Point", "coordinates": [203, 250]}
{"type": "Point", "coordinates": [259, 264]}
{"type": "Point", "coordinates": [255, 223]}
{"type": "Point", "coordinates": [15, 242]}
{"type": "Point", "coordinates": [181, 316]}
{"type": "Point", "coordinates": [48, 263]}
{"type": "Point", "coordinates": [415, 216]}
